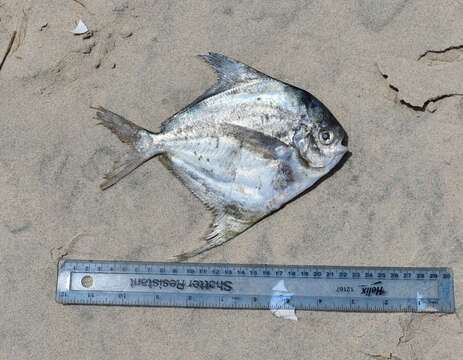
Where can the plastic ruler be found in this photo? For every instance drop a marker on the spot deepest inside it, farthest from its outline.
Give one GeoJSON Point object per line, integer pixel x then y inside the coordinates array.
{"type": "Point", "coordinates": [251, 286]}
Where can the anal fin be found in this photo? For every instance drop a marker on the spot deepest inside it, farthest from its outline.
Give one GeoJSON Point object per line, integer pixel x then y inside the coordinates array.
{"type": "Point", "coordinates": [230, 218]}
{"type": "Point", "coordinates": [225, 228]}
{"type": "Point", "coordinates": [225, 224]}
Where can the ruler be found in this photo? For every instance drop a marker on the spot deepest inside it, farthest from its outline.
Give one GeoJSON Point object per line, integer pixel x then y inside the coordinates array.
{"type": "Point", "coordinates": [328, 288]}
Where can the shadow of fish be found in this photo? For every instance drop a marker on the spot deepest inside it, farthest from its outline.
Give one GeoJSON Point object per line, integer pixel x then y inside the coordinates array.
{"type": "Point", "coordinates": [245, 148]}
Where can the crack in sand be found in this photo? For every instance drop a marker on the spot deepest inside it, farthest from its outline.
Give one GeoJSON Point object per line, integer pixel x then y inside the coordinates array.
{"type": "Point", "coordinates": [63, 250]}
{"type": "Point", "coordinates": [382, 357]}
{"type": "Point", "coordinates": [427, 102]}
{"type": "Point", "coordinates": [8, 49]}
{"type": "Point", "coordinates": [80, 3]}
{"type": "Point", "coordinates": [418, 85]}
{"type": "Point", "coordinates": [417, 324]}
{"type": "Point", "coordinates": [405, 329]}
{"type": "Point", "coordinates": [454, 47]}
{"type": "Point", "coordinates": [21, 32]}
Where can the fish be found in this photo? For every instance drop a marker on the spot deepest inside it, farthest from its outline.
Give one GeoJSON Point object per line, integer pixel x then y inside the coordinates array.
{"type": "Point", "coordinates": [245, 148]}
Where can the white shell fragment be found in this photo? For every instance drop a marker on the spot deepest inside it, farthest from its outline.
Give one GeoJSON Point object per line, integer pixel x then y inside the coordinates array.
{"type": "Point", "coordinates": [80, 29]}
{"type": "Point", "coordinates": [280, 298]}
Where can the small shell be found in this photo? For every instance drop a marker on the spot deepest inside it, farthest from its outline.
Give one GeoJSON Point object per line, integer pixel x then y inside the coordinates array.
{"type": "Point", "coordinates": [80, 29]}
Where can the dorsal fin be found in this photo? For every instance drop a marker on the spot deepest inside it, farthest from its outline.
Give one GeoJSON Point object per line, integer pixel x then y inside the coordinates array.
{"type": "Point", "coordinates": [231, 71]}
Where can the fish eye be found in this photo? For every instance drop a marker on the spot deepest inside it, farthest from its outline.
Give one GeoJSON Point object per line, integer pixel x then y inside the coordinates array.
{"type": "Point", "coordinates": [326, 137]}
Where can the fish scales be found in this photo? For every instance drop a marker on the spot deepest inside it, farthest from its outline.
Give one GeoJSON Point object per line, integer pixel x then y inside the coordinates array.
{"type": "Point", "coordinates": [265, 106]}
{"type": "Point", "coordinates": [245, 148]}
{"type": "Point", "coordinates": [247, 166]}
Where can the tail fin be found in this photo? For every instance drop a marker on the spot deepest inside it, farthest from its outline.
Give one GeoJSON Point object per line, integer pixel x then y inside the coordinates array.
{"type": "Point", "coordinates": [138, 138]}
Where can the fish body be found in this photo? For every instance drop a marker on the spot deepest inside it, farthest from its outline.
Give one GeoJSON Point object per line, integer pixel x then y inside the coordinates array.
{"type": "Point", "coordinates": [245, 148]}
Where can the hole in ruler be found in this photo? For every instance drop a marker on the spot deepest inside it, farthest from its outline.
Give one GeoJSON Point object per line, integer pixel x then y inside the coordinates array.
{"type": "Point", "coordinates": [86, 281]}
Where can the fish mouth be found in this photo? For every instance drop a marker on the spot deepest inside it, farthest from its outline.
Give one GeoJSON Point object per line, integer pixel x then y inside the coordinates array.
{"type": "Point", "coordinates": [345, 141]}
{"type": "Point", "coordinates": [341, 149]}
{"type": "Point", "coordinates": [339, 153]}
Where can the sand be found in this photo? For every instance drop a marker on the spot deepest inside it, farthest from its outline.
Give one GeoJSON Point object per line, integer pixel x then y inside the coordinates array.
{"type": "Point", "coordinates": [397, 201]}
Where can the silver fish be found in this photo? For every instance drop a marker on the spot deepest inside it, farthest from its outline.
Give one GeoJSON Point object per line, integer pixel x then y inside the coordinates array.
{"type": "Point", "coordinates": [245, 148]}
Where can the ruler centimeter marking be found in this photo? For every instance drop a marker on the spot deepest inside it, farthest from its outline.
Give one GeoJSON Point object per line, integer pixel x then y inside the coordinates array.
{"type": "Point", "coordinates": [240, 286]}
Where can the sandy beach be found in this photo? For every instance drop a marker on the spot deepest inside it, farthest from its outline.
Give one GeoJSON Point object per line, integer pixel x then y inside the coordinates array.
{"type": "Point", "coordinates": [390, 71]}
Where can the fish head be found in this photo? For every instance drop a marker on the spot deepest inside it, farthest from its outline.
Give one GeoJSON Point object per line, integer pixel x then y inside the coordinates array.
{"type": "Point", "coordinates": [320, 140]}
